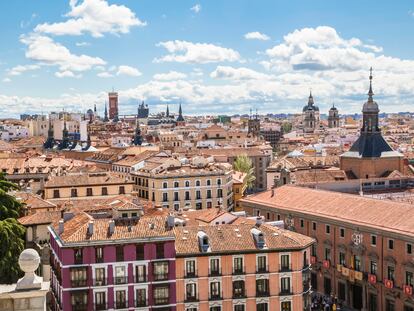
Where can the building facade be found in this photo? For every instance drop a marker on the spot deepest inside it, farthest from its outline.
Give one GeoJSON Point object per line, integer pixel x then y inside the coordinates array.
{"type": "Point", "coordinates": [113, 105]}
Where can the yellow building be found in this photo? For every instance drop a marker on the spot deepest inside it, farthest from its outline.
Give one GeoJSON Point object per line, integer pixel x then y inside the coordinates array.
{"type": "Point", "coordinates": [239, 187]}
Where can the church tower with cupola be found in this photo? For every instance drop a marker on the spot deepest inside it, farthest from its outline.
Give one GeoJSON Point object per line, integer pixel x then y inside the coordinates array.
{"type": "Point", "coordinates": [333, 118]}
{"type": "Point", "coordinates": [310, 115]}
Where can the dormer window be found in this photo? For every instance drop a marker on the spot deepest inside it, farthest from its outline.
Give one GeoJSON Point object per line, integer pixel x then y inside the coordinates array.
{"type": "Point", "coordinates": [203, 241]}
{"type": "Point", "coordinates": [258, 237]}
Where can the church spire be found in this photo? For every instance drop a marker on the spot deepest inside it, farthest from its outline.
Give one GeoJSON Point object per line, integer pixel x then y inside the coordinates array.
{"type": "Point", "coordinates": [370, 92]}
{"type": "Point", "coordinates": [180, 114]}
{"type": "Point", "coordinates": [137, 137]}
{"type": "Point", "coordinates": [167, 114]}
{"type": "Point", "coordinates": [106, 114]}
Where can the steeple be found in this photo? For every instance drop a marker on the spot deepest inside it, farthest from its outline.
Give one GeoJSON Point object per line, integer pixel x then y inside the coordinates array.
{"type": "Point", "coordinates": [94, 109]}
{"type": "Point", "coordinates": [137, 137]}
{"type": "Point", "coordinates": [370, 92]}
{"type": "Point", "coordinates": [370, 111]}
{"type": "Point", "coordinates": [180, 114]}
{"type": "Point", "coordinates": [310, 100]}
{"type": "Point", "coordinates": [106, 114]}
{"type": "Point", "coordinates": [64, 144]}
{"type": "Point", "coordinates": [167, 114]}
{"type": "Point", "coordinates": [50, 140]}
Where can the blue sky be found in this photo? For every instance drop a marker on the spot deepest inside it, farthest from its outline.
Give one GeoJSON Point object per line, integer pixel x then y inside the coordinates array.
{"type": "Point", "coordinates": [214, 56]}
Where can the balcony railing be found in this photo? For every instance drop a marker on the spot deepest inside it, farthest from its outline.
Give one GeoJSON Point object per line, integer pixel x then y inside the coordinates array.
{"type": "Point", "coordinates": [120, 304]}
{"type": "Point", "coordinates": [239, 295]}
{"type": "Point", "coordinates": [262, 269]}
{"type": "Point", "coordinates": [215, 296]}
{"type": "Point", "coordinates": [161, 300]}
{"type": "Point", "coordinates": [239, 271]}
{"type": "Point", "coordinates": [141, 303]}
{"type": "Point", "coordinates": [191, 299]}
{"type": "Point", "coordinates": [286, 291]}
{"type": "Point", "coordinates": [141, 278]}
{"type": "Point", "coordinates": [100, 306]}
{"type": "Point", "coordinates": [160, 276]}
{"type": "Point", "coordinates": [214, 272]}
{"type": "Point", "coordinates": [285, 268]}
{"type": "Point", "coordinates": [78, 283]}
{"type": "Point", "coordinates": [100, 282]}
{"type": "Point", "coordinates": [121, 280]}
{"type": "Point", "coordinates": [262, 293]}
{"type": "Point", "coordinates": [190, 274]}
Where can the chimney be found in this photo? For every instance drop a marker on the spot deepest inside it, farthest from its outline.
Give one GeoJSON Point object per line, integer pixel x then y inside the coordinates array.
{"type": "Point", "coordinates": [273, 192]}
{"type": "Point", "coordinates": [61, 226]}
{"type": "Point", "coordinates": [111, 226]}
{"type": "Point", "coordinates": [259, 220]}
{"type": "Point", "coordinates": [170, 221]}
{"type": "Point", "coordinates": [90, 227]}
{"type": "Point", "coordinates": [67, 216]}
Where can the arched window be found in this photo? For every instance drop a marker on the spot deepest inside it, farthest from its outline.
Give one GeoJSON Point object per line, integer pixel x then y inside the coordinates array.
{"type": "Point", "coordinates": [165, 185]}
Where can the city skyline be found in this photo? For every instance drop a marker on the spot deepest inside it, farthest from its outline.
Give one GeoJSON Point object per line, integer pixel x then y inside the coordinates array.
{"type": "Point", "coordinates": [215, 58]}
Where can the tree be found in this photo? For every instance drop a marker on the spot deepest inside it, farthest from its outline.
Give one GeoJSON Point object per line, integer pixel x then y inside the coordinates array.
{"type": "Point", "coordinates": [11, 233]}
{"type": "Point", "coordinates": [244, 164]}
{"type": "Point", "coordinates": [286, 127]}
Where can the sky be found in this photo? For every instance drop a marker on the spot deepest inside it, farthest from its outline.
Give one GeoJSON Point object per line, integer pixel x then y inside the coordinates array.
{"type": "Point", "coordinates": [215, 57]}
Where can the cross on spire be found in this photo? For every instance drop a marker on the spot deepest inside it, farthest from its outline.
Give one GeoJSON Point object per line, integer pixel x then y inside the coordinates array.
{"type": "Point", "coordinates": [370, 92]}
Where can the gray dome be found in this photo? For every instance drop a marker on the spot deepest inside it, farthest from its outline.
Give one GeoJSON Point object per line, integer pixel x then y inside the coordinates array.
{"type": "Point", "coordinates": [370, 106]}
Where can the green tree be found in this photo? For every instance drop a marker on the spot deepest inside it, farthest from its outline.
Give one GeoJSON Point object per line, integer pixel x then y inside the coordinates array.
{"type": "Point", "coordinates": [244, 164]}
{"type": "Point", "coordinates": [286, 127]}
{"type": "Point", "coordinates": [11, 233]}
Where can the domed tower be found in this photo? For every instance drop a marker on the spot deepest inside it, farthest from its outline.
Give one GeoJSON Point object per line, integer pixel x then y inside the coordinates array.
{"type": "Point", "coordinates": [333, 118]}
{"type": "Point", "coordinates": [310, 115]}
{"type": "Point", "coordinates": [371, 156]}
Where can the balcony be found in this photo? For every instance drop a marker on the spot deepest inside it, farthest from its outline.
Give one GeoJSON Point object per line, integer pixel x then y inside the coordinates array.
{"type": "Point", "coordinates": [120, 304]}
{"type": "Point", "coordinates": [100, 306]}
{"type": "Point", "coordinates": [120, 280]}
{"type": "Point", "coordinates": [80, 307]}
{"type": "Point", "coordinates": [262, 269]}
{"type": "Point", "coordinates": [239, 271]}
{"type": "Point", "coordinates": [285, 268]}
{"type": "Point", "coordinates": [100, 282]}
{"type": "Point", "coordinates": [141, 278]}
{"type": "Point", "coordinates": [161, 301]}
{"type": "Point", "coordinates": [190, 274]}
{"type": "Point", "coordinates": [191, 299]}
{"type": "Point", "coordinates": [141, 303]}
{"type": "Point", "coordinates": [285, 291]}
{"type": "Point", "coordinates": [262, 293]}
{"type": "Point", "coordinates": [215, 296]}
{"type": "Point", "coordinates": [78, 283]}
{"type": "Point", "coordinates": [214, 272]}
{"type": "Point", "coordinates": [160, 276]}
{"type": "Point", "coordinates": [240, 295]}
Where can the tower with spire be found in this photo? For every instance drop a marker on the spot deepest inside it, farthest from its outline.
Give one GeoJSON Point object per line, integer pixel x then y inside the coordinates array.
{"type": "Point", "coordinates": [137, 141]}
{"type": "Point", "coordinates": [106, 119]}
{"type": "Point", "coordinates": [371, 156]}
{"type": "Point", "coordinates": [310, 115]}
{"type": "Point", "coordinates": [253, 124]}
{"type": "Point", "coordinates": [167, 113]}
{"type": "Point", "coordinates": [50, 141]}
{"type": "Point", "coordinates": [333, 117]}
{"type": "Point", "coordinates": [64, 144]}
{"type": "Point", "coordinates": [180, 119]}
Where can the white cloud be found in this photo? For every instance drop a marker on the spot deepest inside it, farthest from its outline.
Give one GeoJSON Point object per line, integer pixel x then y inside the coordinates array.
{"type": "Point", "coordinates": [83, 43]}
{"type": "Point", "coordinates": [255, 35]}
{"type": "Point", "coordinates": [198, 53]}
{"type": "Point", "coordinates": [95, 17]}
{"type": "Point", "coordinates": [171, 75]}
{"type": "Point", "coordinates": [105, 75]}
{"type": "Point", "coordinates": [67, 74]}
{"type": "Point", "coordinates": [46, 51]}
{"type": "Point", "coordinates": [242, 73]}
{"type": "Point", "coordinates": [128, 71]}
{"type": "Point", "coordinates": [19, 69]}
{"type": "Point", "coordinates": [6, 80]}
{"type": "Point", "coordinates": [196, 8]}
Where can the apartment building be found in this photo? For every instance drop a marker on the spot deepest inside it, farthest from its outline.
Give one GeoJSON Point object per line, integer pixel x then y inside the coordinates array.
{"type": "Point", "coordinates": [241, 267]}
{"type": "Point", "coordinates": [364, 250]}
{"type": "Point", "coordinates": [122, 263]}
{"type": "Point", "coordinates": [175, 183]}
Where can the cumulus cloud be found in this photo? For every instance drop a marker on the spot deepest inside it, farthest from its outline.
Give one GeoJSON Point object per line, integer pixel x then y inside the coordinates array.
{"type": "Point", "coordinates": [6, 80]}
{"type": "Point", "coordinates": [171, 75]}
{"type": "Point", "coordinates": [67, 74]}
{"type": "Point", "coordinates": [46, 51]}
{"type": "Point", "coordinates": [105, 74]}
{"type": "Point", "coordinates": [196, 53]}
{"type": "Point", "coordinates": [128, 71]}
{"type": "Point", "coordinates": [255, 35]}
{"type": "Point", "coordinates": [242, 73]}
{"type": "Point", "coordinates": [95, 17]}
{"type": "Point", "coordinates": [82, 43]}
{"type": "Point", "coordinates": [19, 69]}
{"type": "Point", "coordinates": [196, 8]}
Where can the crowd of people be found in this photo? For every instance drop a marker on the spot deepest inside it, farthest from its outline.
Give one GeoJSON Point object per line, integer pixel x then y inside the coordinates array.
{"type": "Point", "coordinates": [325, 303]}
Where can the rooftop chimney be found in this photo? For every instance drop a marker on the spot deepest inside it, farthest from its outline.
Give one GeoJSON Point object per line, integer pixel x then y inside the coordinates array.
{"type": "Point", "coordinates": [61, 226]}
{"type": "Point", "coordinates": [90, 227]}
{"type": "Point", "coordinates": [111, 226]}
{"type": "Point", "coordinates": [67, 216]}
{"type": "Point", "coordinates": [170, 221]}
{"type": "Point", "coordinates": [259, 220]}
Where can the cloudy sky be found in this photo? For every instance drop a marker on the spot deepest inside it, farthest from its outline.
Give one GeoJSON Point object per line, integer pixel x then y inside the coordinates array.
{"type": "Point", "coordinates": [215, 56]}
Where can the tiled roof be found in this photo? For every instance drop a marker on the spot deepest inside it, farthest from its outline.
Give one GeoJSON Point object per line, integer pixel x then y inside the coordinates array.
{"type": "Point", "coordinates": [132, 160]}
{"type": "Point", "coordinates": [33, 201]}
{"type": "Point", "coordinates": [237, 238]}
{"type": "Point", "coordinates": [357, 210]}
{"type": "Point", "coordinates": [76, 229]}
{"type": "Point", "coordinates": [39, 218]}
{"type": "Point", "coordinates": [85, 179]}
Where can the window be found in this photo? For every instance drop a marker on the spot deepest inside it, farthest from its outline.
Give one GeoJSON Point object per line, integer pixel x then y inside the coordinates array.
{"type": "Point", "coordinates": [199, 205]}
{"type": "Point", "coordinates": [78, 277]}
{"type": "Point", "coordinates": [262, 287]}
{"type": "Point", "coordinates": [342, 232]}
{"type": "Point", "coordinates": [208, 182]}
{"type": "Point", "coordinates": [373, 240]}
{"type": "Point", "coordinates": [120, 275]}
{"type": "Point", "coordinates": [161, 270]}
{"type": "Point", "coordinates": [99, 254]}
{"type": "Point", "coordinates": [262, 306]}
{"type": "Point", "coordinates": [165, 197]}
{"type": "Point", "coordinates": [120, 299]}
{"type": "Point", "coordinates": [89, 192]}
{"type": "Point", "coordinates": [176, 198]}
{"type": "Point", "coordinates": [187, 183]}
{"type": "Point", "coordinates": [140, 297]}
{"type": "Point", "coordinates": [198, 184]}
{"type": "Point", "coordinates": [219, 193]}
{"type": "Point", "coordinates": [327, 253]}
{"type": "Point", "coordinates": [409, 278]}
{"type": "Point", "coordinates": [140, 274]}
{"type": "Point", "coordinates": [100, 301]}
{"type": "Point", "coordinates": [78, 256]}
{"type": "Point", "coordinates": [284, 263]}
{"type": "Point", "coordinates": [328, 229]}
{"type": "Point", "coordinates": [208, 194]}
{"type": "Point", "coordinates": [409, 248]}
{"type": "Point", "coordinates": [285, 285]}
{"type": "Point", "coordinates": [314, 226]}
{"type": "Point", "coordinates": [198, 195]}
{"type": "Point", "coordinates": [165, 185]}
{"type": "Point", "coordinates": [261, 264]}
{"type": "Point", "coordinates": [56, 194]}
{"type": "Point", "coordinates": [238, 265]}
{"type": "Point", "coordinates": [390, 244]}
{"type": "Point", "coordinates": [121, 190]}
{"type": "Point", "coordinates": [216, 308]}
{"type": "Point", "coordinates": [239, 308]}
{"type": "Point", "coordinates": [73, 193]}
{"type": "Point", "coordinates": [190, 270]}
{"type": "Point", "coordinates": [120, 253]}
{"type": "Point", "coordinates": [215, 290]}
{"type": "Point", "coordinates": [209, 205]}
{"type": "Point", "coordinates": [238, 289]}
{"type": "Point", "coordinates": [218, 181]}
{"type": "Point", "coordinates": [79, 300]}
{"type": "Point", "coordinates": [302, 223]}
{"type": "Point", "coordinates": [187, 195]}
{"type": "Point", "coordinates": [286, 306]}
{"type": "Point", "coordinates": [104, 191]}
{"type": "Point", "coordinates": [191, 291]}
{"type": "Point", "coordinates": [160, 250]}
{"type": "Point", "coordinates": [214, 266]}
{"type": "Point", "coordinates": [313, 250]}
{"type": "Point", "coordinates": [389, 305]}
{"type": "Point", "coordinates": [357, 263]}
{"type": "Point", "coordinates": [176, 184]}
{"type": "Point", "coordinates": [342, 260]}
{"type": "Point", "coordinates": [391, 273]}
{"type": "Point", "coordinates": [100, 277]}
{"type": "Point", "coordinates": [327, 286]}
{"type": "Point", "coordinates": [373, 267]}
